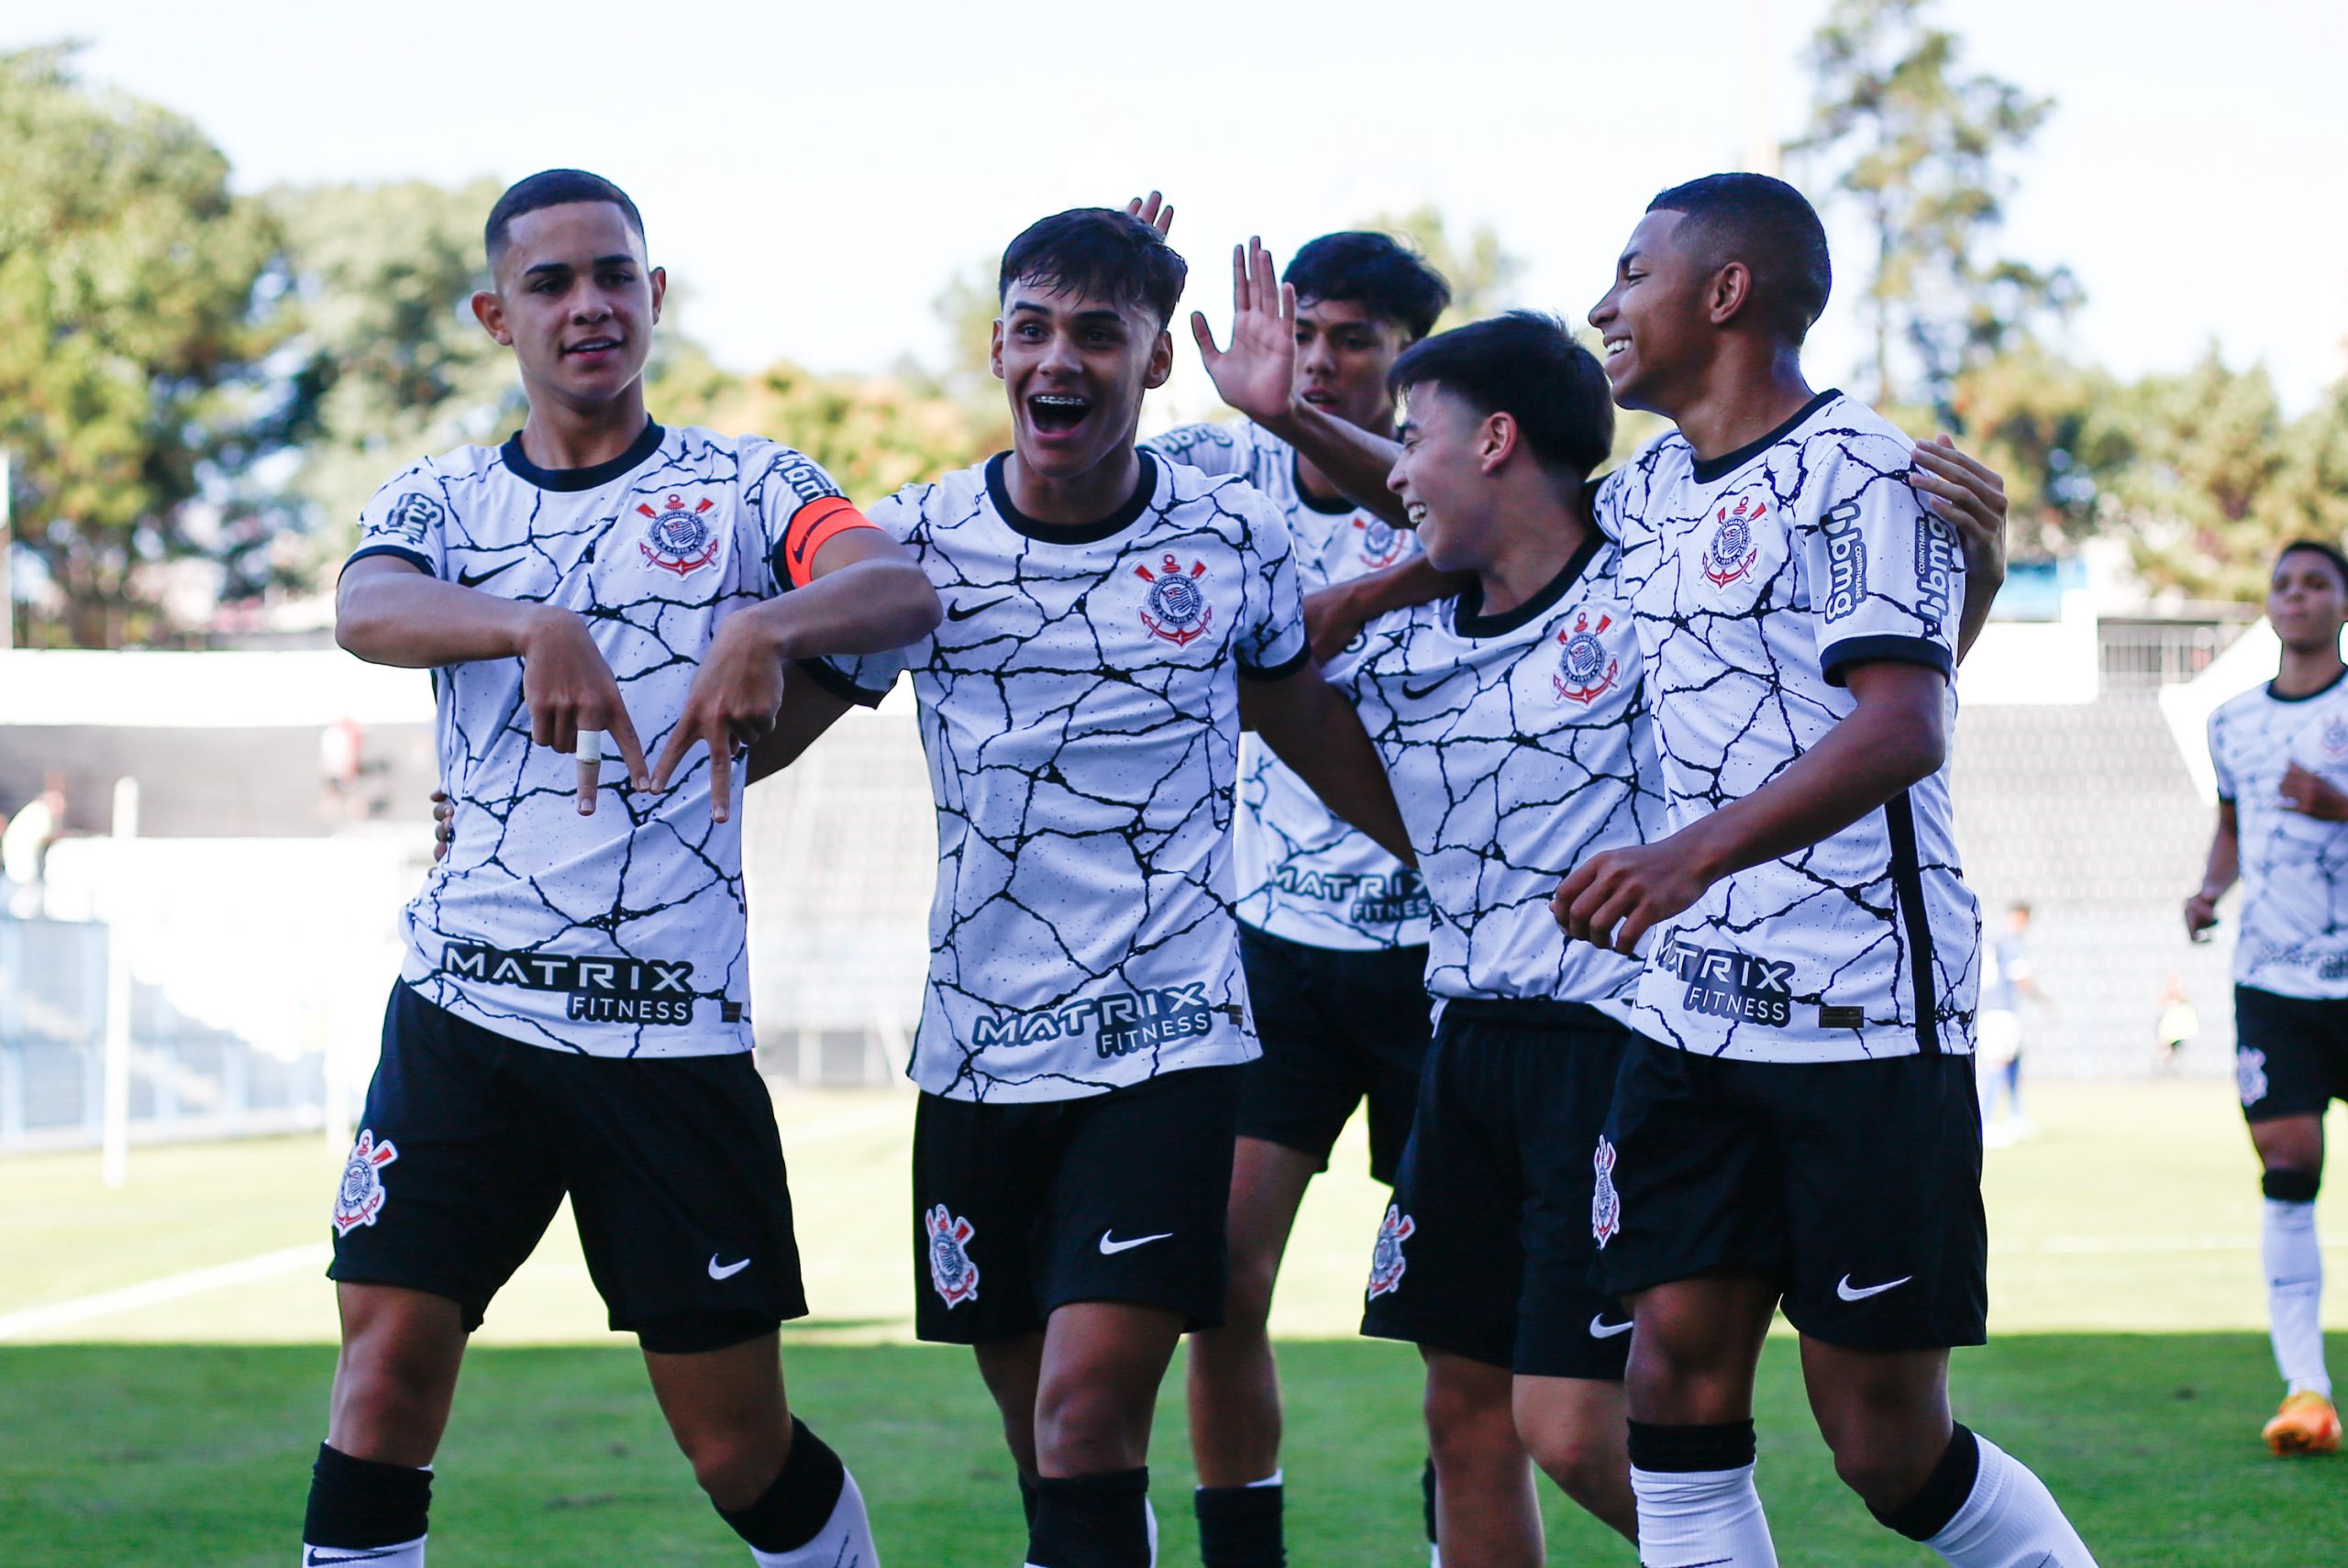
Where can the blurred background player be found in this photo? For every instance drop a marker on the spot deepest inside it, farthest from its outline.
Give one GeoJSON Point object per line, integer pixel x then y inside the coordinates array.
{"type": "Point", "coordinates": [2008, 979]}
{"type": "Point", "coordinates": [1809, 1133]}
{"type": "Point", "coordinates": [2281, 755]}
{"type": "Point", "coordinates": [1333, 929]}
{"type": "Point", "coordinates": [573, 1014]}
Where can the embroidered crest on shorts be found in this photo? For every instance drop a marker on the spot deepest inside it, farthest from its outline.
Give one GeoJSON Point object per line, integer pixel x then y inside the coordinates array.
{"type": "Point", "coordinates": [951, 1271]}
{"type": "Point", "coordinates": [2249, 1074]}
{"type": "Point", "coordinates": [1605, 1203]}
{"type": "Point", "coordinates": [361, 1198]}
{"type": "Point", "coordinates": [1386, 1260]}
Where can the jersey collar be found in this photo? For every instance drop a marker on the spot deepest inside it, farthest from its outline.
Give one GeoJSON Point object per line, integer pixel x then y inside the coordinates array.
{"type": "Point", "coordinates": [2330, 685]}
{"type": "Point", "coordinates": [594, 477]}
{"type": "Point", "coordinates": [1109, 527]}
{"type": "Point", "coordinates": [1708, 471]}
{"type": "Point", "coordinates": [1469, 619]}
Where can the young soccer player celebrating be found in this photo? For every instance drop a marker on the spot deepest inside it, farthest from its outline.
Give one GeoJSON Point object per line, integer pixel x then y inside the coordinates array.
{"type": "Point", "coordinates": [2281, 755]}
{"type": "Point", "coordinates": [572, 1012]}
{"type": "Point", "coordinates": [1800, 1124]}
{"type": "Point", "coordinates": [1333, 929]}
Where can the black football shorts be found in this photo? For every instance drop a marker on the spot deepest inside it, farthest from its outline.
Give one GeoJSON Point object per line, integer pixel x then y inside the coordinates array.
{"type": "Point", "coordinates": [2290, 1053]}
{"type": "Point", "coordinates": [1338, 1027]}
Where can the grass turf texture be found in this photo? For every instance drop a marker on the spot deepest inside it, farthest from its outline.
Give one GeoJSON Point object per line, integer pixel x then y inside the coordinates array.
{"type": "Point", "coordinates": [2122, 1236]}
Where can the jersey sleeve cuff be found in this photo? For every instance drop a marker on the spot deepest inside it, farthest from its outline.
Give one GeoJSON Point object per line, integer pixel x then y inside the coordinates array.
{"type": "Point", "coordinates": [415, 557]}
{"type": "Point", "coordinates": [839, 685]}
{"type": "Point", "coordinates": [1286, 666]}
{"type": "Point", "coordinates": [1836, 660]}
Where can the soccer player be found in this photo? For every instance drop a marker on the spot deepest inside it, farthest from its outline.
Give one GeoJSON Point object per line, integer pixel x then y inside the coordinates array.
{"type": "Point", "coordinates": [2281, 755]}
{"type": "Point", "coordinates": [1798, 1122]}
{"type": "Point", "coordinates": [1111, 618]}
{"type": "Point", "coordinates": [572, 1012]}
{"type": "Point", "coordinates": [1333, 929]}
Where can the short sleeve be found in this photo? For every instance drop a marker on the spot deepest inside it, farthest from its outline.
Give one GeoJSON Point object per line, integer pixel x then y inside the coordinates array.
{"type": "Point", "coordinates": [408, 518]}
{"type": "Point", "coordinates": [800, 508]}
{"type": "Point", "coordinates": [865, 679]}
{"type": "Point", "coordinates": [1886, 577]}
{"type": "Point", "coordinates": [2219, 763]}
{"type": "Point", "coordinates": [1272, 644]}
{"type": "Point", "coordinates": [1214, 450]}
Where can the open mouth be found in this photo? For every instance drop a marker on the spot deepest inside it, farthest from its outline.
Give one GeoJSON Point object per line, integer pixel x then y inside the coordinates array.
{"type": "Point", "coordinates": [593, 346]}
{"type": "Point", "coordinates": [1056, 413]}
{"type": "Point", "coordinates": [1320, 399]}
{"type": "Point", "coordinates": [1616, 347]}
{"type": "Point", "coordinates": [1417, 513]}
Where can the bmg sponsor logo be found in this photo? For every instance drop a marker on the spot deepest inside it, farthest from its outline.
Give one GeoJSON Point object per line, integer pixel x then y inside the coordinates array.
{"type": "Point", "coordinates": [1846, 561]}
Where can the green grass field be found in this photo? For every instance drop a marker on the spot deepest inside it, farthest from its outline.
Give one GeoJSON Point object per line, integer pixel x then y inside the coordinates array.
{"type": "Point", "coordinates": [174, 1422]}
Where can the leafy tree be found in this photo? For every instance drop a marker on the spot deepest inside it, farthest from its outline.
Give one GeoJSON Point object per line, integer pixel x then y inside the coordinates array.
{"type": "Point", "coordinates": [131, 287]}
{"type": "Point", "coordinates": [1916, 142]}
{"type": "Point", "coordinates": [2053, 429]}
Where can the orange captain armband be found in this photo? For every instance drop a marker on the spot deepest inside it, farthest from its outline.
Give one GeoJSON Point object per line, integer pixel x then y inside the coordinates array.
{"type": "Point", "coordinates": [811, 527]}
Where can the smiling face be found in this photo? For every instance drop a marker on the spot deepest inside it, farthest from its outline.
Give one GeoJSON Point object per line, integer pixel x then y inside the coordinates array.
{"type": "Point", "coordinates": [1653, 320]}
{"type": "Point", "coordinates": [1445, 476]}
{"type": "Point", "coordinates": [575, 301]}
{"type": "Point", "coordinates": [2306, 601]}
{"type": "Point", "coordinates": [1075, 367]}
{"type": "Point", "coordinates": [1342, 352]}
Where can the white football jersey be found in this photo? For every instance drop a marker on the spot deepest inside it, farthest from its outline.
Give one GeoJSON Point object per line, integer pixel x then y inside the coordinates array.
{"type": "Point", "coordinates": [2294, 937]}
{"type": "Point", "coordinates": [1305, 874]}
{"type": "Point", "coordinates": [1755, 578]}
{"type": "Point", "coordinates": [622, 934]}
{"type": "Point", "coordinates": [1518, 746]}
{"type": "Point", "coordinates": [1079, 709]}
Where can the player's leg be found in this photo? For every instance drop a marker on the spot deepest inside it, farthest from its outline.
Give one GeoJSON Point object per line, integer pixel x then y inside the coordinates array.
{"type": "Point", "coordinates": [1688, 1394]}
{"type": "Point", "coordinates": [1012, 1369]}
{"type": "Point", "coordinates": [1095, 1396]}
{"type": "Point", "coordinates": [450, 1184]}
{"type": "Point", "coordinates": [1486, 1512]}
{"type": "Point", "coordinates": [2284, 1057]}
{"type": "Point", "coordinates": [1576, 1430]}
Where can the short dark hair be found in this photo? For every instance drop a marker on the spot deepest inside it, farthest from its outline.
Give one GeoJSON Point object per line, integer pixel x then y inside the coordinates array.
{"type": "Point", "coordinates": [1375, 270]}
{"type": "Point", "coordinates": [1100, 253]}
{"type": "Point", "coordinates": [1527, 366]}
{"type": "Point", "coordinates": [2316, 546]}
{"type": "Point", "coordinates": [552, 188]}
{"type": "Point", "coordinates": [1769, 227]}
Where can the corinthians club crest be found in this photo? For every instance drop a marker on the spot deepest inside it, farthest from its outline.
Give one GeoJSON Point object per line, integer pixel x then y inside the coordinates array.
{"type": "Point", "coordinates": [1733, 552]}
{"type": "Point", "coordinates": [680, 539]}
{"type": "Point", "coordinates": [1584, 666]}
{"type": "Point", "coordinates": [1386, 1261]}
{"type": "Point", "coordinates": [1381, 543]}
{"type": "Point", "coordinates": [951, 1272]}
{"type": "Point", "coordinates": [1176, 607]}
{"type": "Point", "coordinates": [361, 1198]}
{"type": "Point", "coordinates": [1605, 1203]}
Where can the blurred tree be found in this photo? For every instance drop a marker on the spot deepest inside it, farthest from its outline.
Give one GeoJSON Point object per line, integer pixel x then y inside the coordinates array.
{"type": "Point", "coordinates": [1481, 271]}
{"type": "Point", "coordinates": [133, 293]}
{"type": "Point", "coordinates": [1915, 142]}
{"type": "Point", "coordinates": [2054, 430]}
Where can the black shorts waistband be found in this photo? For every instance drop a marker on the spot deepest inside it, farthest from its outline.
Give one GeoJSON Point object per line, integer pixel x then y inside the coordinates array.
{"type": "Point", "coordinates": [1540, 1012]}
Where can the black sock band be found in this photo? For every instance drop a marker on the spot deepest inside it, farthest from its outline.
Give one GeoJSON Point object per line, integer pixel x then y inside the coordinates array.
{"type": "Point", "coordinates": [1027, 1499]}
{"type": "Point", "coordinates": [1239, 1527]}
{"type": "Point", "coordinates": [1426, 1495]}
{"type": "Point", "coordinates": [2285, 1185]}
{"type": "Point", "coordinates": [1091, 1521]}
{"type": "Point", "coordinates": [357, 1503]}
{"type": "Point", "coordinates": [789, 1513]}
{"type": "Point", "coordinates": [1927, 1513]}
{"type": "Point", "coordinates": [1691, 1449]}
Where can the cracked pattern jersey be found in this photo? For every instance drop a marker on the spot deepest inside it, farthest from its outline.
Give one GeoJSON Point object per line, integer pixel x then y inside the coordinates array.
{"type": "Point", "coordinates": [1757, 579]}
{"type": "Point", "coordinates": [623, 933]}
{"type": "Point", "coordinates": [1305, 874]}
{"type": "Point", "coordinates": [2294, 937]}
{"type": "Point", "coordinates": [1079, 709]}
{"type": "Point", "coordinates": [1519, 746]}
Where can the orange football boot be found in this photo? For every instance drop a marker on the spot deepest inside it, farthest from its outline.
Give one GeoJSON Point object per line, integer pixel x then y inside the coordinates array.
{"type": "Point", "coordinates": [2306, 1424]}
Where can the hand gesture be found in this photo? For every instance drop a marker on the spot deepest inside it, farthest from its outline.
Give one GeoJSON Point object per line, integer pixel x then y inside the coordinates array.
{"type": "Point", "coordinates": [2200, 914]}
{"type": "Point", "coordinates": [1332, 621]}
{"type": "Point", "coordinates": [731, 706]}
{"type": "Point", "coordinates": [1968, 494]}
{"type": "Point", "coordinates": [1614, 899]}
{"type": "Point", "coordinates": [1256, 375]}
{"type": "Point", "coordinates": [2312, 795]}
{"type": "Point", "coordinates": [569, 691]}
{"type": "Point", "coordinates": [1157, 212]}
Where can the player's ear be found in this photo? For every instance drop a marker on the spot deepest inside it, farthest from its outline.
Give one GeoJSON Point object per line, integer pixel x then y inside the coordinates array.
{"type": "Point", "coordinates": [489, 309]}
{"type": "Point", "coordinates": [1729, 293]}
{"type": "Point", "coordinates": [659, 280]}
{"type": "Point", "coordinates": [1495, 439]}
{"type": "Point", "coordinates": [994, 349]}
{"type": "Point", "coordinates": [1162, 362]}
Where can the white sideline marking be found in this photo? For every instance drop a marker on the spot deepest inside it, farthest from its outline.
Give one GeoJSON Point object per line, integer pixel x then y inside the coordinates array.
{"type": "Point", "coordinates": [170, 1287]}
{"type": "Point", "coordinates": [316, 1254]}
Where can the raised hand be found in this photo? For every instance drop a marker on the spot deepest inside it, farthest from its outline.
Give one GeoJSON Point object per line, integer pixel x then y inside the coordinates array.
{"type": "Point", "coordinates": [1256, 375]}
{"type": "Point", "coordinates": [1968, 494]}
{"type": "Point", "coordinates": [569, 691]}
{"type": "Point", "coordinates": [732, 704]}
{"type": "Point", "coordinates": [1157, 212]}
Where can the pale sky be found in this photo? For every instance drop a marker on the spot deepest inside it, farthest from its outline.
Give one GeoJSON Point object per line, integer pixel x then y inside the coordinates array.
{"type": "Point", "coordinates": [812, 175]}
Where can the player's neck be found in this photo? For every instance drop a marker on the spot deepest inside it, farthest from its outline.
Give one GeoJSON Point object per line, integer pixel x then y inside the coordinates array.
{"type": "Point", "coordinates": [1544, 532]}
{"type": "Point", "coordinates": [2305, 671]}
{"type": "Point", "coordinates": [1749, 390]}
{"type": "Point", "coordinates": [1317, 486]}
{"type": "Point", "coordinates": [1073, 501]}
{"type": "Point", "coordinates": [561, 435]}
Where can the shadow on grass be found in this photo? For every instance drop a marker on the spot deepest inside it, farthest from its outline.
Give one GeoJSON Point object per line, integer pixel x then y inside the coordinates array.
{"type": "Point", "coordinates": [116, 1453]}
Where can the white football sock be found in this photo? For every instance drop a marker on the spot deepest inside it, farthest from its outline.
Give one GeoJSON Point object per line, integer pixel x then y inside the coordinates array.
{"type": "Point", "coordinates": [845, 1541]}
{"type": "Point", "coordinates": [1690, 1517]}
{"type": "Point", "coordinates": [2295, 1295]}
{"type": "Point", "coordinates": [2010, 1521]}
{"type": "Point", "coordinates": [407, 1555]}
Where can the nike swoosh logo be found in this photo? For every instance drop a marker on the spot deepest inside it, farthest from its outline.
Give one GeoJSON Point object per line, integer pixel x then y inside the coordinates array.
{"type": "Point", "coordinates": [312, 1558]}
{"type": "Point", "coordinates": [469, 580]}
{"type": "Point", "coordinates": [1110, 1246]}
{"type": "Point", "coordinates": [1599, 1329]}
{"type": "Point", "coordinates": [1849, 1292]}
{"type": "Point", "coordinates": [1419, 693]}
{"type": "Point", "coordinates": [729, 1271]}
{"type": "Point", "coordinates": [961, 612]}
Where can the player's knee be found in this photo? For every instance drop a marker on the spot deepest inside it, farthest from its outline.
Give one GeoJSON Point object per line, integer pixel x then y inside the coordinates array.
{"type": "Point", "coordinates": [1586, 1471]}
{"type": "Point", "coordinates": [1248, 1304]}
{"type": "Point", "coordinates": [733, 1468]}
{"type": "Point", "coordinates": [2291, 1184]}
{"type": "Point", "coordinates": [388, 1405]}
{"type": "Point", "coordinates": [1883, 1477]}
{"type": "Point", "coordinates": [1466, 1422]}
{"type": "Point", "coordinates": [1084, 1425]}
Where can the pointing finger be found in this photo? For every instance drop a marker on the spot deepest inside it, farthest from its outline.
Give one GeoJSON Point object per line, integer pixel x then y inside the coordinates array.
{"type": "Point", "coordinates": [721, 779]}
{"type": "Point", "coordinates": [590, 769]}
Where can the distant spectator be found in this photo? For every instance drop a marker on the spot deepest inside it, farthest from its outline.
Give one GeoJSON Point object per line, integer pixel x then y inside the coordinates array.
{"type": "Point", "coordinates": [2006, 979]}
{"type": "Point", "coordinates": [23, 847]}
{"type": "Point", "coordinates": [342, 750]}
{"type": "Point", "coordinates": [2175, 1026]}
